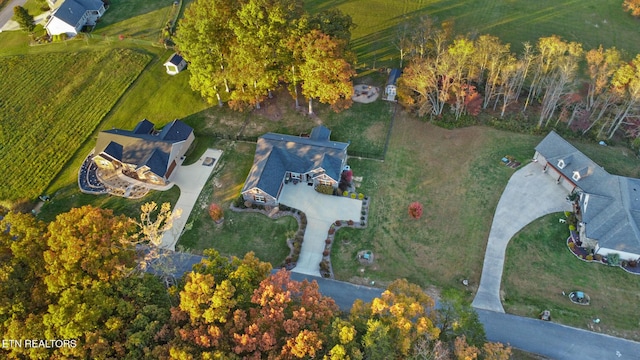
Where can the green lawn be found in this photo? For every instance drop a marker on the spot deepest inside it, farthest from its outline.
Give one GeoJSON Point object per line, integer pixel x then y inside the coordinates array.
{"type": "Point", "coordinates": [240, 232]}
{"type": "Point", "coordinates": [134, 18]}
{"type": "Point", "coordinates": [539, 267]}
{"type": "Point", "coordinates": [591, 22]}
{"type": "Point", "coordinates": [56, 102]}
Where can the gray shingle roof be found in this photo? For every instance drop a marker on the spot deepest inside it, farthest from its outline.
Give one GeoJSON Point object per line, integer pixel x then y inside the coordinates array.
{"type": "Point", "coordinates": [71, 11]}
{"type": "Point", "coordinates": [277, 153]}
{"type": "Point", "coordinates": [144, 127]}
{"type": "Point", "coordinates": [612, 213]}
{"type": "Point", "coordinates": [143, 148]}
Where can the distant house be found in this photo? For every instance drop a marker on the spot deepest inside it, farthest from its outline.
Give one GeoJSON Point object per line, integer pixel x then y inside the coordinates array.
{"type": "Point", "coordinates": [391, 90]}
{"type": "Point", "coordinates": [280, 159]}
{"type": "Point", "coordinates": [609, 205]}
{"type": "Point", "coordinates": [144, 154]}
{"type": "Point", "coordinates": [175, 64]}
{"type": "Point", "coordinates": [72, 15]}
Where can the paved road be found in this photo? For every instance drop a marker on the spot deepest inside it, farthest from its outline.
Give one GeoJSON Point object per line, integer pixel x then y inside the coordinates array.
{"type": "Point", "coordinates": [529, 194]}
{"type": "Point", "coordinates": [555, 341]}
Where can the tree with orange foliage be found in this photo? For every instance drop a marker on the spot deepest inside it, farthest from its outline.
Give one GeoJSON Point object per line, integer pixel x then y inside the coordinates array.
{"type": "Point", "coordinates": [632, 6]}
{"type": "Point", "coordinates": [288, 319]}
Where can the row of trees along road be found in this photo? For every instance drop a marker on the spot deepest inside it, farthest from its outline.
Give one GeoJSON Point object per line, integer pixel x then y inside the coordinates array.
{"type": "Point", "coordinates": [78, 278]}
{"type": "Point", "coordinates": [246, 48]}
{"type": "Point", "coordinates": [473, 74]}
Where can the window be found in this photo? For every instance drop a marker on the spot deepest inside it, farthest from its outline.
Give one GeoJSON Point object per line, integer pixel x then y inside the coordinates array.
{"type": "Point", "coordinates": [259, 198]}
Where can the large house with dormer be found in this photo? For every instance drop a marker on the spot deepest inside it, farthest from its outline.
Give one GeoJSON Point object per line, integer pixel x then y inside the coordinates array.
{"type": "Point", "coordinates": [609, 205]}
{"type": "Point", "coordinates": [70, 16]}
{"type": "Point", "coordinates": [280, 159]}
{"type": "Point", "coordinates": [144, 154]}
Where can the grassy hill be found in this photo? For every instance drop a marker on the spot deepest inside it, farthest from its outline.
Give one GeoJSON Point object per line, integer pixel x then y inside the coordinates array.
{"type": "Point", "coordinates": [50, 105]}
{"type": "Point", "coordinates": [590, 22]}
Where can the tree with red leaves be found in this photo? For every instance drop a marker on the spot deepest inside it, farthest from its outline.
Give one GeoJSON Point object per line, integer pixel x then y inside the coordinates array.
{"type": "Point", "coordinates": [415, 210]}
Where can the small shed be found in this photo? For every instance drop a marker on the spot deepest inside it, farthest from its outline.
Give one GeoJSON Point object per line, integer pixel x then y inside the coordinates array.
{"type": "Point", "coordinates": [175, 64]}
{"type": "Point", "coordinates": [391, 90]}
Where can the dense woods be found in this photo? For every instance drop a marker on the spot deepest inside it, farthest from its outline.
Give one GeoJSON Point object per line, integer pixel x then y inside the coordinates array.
{"type": "Point", "coordinates": [594, 91]}
{"type": "Point", "coordinates": [241, 51]}
{"type": "Point", "coordinates": [78, 279]}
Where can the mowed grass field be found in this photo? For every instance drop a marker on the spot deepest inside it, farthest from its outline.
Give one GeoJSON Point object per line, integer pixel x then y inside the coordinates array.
{"type": "Point", "coordinates": [590, 22]}
{"type": "Point", "coordinates": [50, 105]}
{"type": "Point", "coordinates": [135, 18]}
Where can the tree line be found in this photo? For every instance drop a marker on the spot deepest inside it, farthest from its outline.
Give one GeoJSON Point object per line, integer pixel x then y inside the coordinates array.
{"type": "Point", "coordinates": [595, 90]}
{"type": "Point", "coordinates": [241, 51]}
{"type": "Point", "coordinates": [80, 279]}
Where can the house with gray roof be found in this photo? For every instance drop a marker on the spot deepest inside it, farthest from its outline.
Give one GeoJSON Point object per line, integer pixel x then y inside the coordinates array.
{"type": "Point", "coordinates": [280, 159]}
{"type": "Point", "coordinates": [71, 16]}
{"type": "Point", "coordinates": [144, 154]}
{"type": "Point", "coordinates": [608, 206]}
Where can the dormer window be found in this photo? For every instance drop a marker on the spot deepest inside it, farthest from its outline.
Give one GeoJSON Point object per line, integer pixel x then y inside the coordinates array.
{"type": "Point", "coordinates": [561, 164]}
{"type": "Point", "coordinates": [576, 175]}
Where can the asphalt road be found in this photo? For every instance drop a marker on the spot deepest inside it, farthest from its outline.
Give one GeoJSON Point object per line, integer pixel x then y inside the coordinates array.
{"type": "Point", "coordinates": [7, 11]}
{"type": "Point", "coordinates": [555, 341]}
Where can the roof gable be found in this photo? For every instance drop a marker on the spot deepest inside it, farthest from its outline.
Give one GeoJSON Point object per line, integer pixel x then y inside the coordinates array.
{"type": "Point", "coordinates": [143, 149]}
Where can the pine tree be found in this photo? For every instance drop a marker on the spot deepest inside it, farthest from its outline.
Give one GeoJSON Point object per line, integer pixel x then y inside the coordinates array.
{"type": "Point", "coordinates": [23, 18]}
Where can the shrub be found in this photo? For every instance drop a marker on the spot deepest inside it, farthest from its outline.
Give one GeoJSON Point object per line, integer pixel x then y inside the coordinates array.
{"type": "Point", "coordinates": [572, 228]}
{"type": "Point", "coordinates": [239, 202]}
{"type": "Point", "coordinates": [215, 211]}
{"type": "Point", "coordinates": [327, 241]}
{"type": "Point", "coordinates": [597, 257]}
{"type": "Point", "coordinates": [350, 222]}
{"type": "Point", "coordinates": [415, 210]}
{"type": "Point", "coordinates": [360, 196]}
{"type": "Point", "coordinates": [353, 195]}
{"type": "Point", "coordinates": [624, 263]}
{"type": "Point", "coordinates": [613, 259]}
{"type": "Point", "coordinates": [567, 213]}
{"type": "Point", "coordinates": [324, 265]}
{"type": "Point", "coordinates": [338, 223]}
{"type": "Point", "coordinates": [572, 245]}
{"type": "Point", "coordinates": [633, 263]}
{"type": "Point", "coordinates": [332, 230]}
{"type": "Point", "coordinates": [345, 193]}
{"type": "Point", "coordinates": [325, 253]}
{"type": "Point", "coordinates": [589, 257]}
{"type": "Point", "coordinates": [324, 189]}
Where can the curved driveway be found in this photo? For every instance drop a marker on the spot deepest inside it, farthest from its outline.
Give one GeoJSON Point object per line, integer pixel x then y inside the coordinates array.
{"type": "Point", "coordinates": [529, 194]}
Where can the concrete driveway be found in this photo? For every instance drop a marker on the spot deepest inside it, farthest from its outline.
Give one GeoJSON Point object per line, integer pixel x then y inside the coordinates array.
{"type": "Point", "coordinates": [529, 194]}
{"type": "Point", "coordinates": [190, 179]}
{"type": "Point", "coordinates": [321, 210]}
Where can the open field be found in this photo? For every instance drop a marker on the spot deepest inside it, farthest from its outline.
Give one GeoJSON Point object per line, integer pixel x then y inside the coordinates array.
{"type": "Point", "coordinates": [138, 19]}
{"type": "Point", "coordinates": [590, 22]}
{"type": "Point", "coordinates": [54, 104]}
{"type": "Point", "coordinates": [539, 267]}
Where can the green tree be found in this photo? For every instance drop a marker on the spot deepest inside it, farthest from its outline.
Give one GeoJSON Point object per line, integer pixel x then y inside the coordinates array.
{"type": "Point", "coordinates": [334, 23]}
{"type": "Point", "coordinates": [457, 318]}
{"type": "Point", "coordinates": [205, 40]}
{"type": "Point", "coordinates": [23, 18]}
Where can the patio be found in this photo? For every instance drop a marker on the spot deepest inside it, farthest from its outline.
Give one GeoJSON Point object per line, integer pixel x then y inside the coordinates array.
{"type": "Point", "coordinates": [321, 210]}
